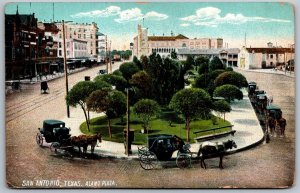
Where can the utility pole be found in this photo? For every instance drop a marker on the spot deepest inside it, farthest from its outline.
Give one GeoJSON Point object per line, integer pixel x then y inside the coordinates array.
{"type": "Point", "coordinates": [110, 58]}
{"type": "Point", "coordinates": [127, 128]}
{"type": "Point", "coordinates": [65, 65]}
{"type": "Point", "coordinates": [106, 58]}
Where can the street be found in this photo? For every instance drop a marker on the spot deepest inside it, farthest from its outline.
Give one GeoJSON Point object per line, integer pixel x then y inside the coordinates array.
{"type": "Point", "coordinates": [269, 165]}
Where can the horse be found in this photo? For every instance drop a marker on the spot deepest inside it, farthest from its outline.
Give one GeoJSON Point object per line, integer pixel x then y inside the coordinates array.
{"type": "Point", "coordinates": [84, 141]}
{"type": "Point", "coordinates": [214, 149]}
{"type": "Point", "coordinates": [79, 141]}
{"type": "Point", "coordinates": [272, 124]}
{"type": "Point", "coordinates": [282, 124]}
{"type": "Point", "coordinates": [92, 141]}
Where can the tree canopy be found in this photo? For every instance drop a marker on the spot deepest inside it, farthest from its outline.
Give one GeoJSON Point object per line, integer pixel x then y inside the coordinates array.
{"type": "Point", "coordinates": [229, 92]}
{"type": "Point", "coordinates": [128, 69]}
{"type": "Point", "coordinates": [202, 63]}
{"type": "Point", "coordinates": [110, 102]}
{"type": "Point", "coordinates": [231, 77]}
{"type": "Point", "coordinates": [215, 64]}
{"type": "Point", "coordinates": [191, 103]}
{"type": "Point", "coordinates": [146, 109]}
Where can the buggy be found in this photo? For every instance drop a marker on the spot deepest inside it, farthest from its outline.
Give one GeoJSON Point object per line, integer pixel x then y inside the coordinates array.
{"type": "Point", "coordinates": [251, 88]}
{"type": "Point", "coordinates": [161, 148]}
{"type": "Point", "coordinates": [274, 112]}
{"type": "Point", "coordinates": [54, 132]}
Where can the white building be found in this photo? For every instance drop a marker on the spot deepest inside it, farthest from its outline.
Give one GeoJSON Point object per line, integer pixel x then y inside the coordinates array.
{"type": "Point", "coordinates": [84, 32]}
{"type": "Point", "coordinates": [101, 47]}
{"type": "Point", "coordinates": [74, 49]}
{"type": "Point", "coordinates": [164, 45]}
{"type": "Point", "coordinates": [229, 56]}
{"type": "Point", "coordinates": [270, 57]}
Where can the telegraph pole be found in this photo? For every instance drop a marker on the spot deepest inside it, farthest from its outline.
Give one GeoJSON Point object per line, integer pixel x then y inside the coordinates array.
{"type": "Point", "coordinates": [106, 58]}
{"type": "Point", "coordinates": [110, 58]}
{"type": "Point", "coordinates": [65, 65]}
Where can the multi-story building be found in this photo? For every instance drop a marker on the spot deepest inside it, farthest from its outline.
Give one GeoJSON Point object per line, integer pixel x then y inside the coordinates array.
{"type": "Point", "coordinates": [101, 46]}
{"type": "Point", "coordinates": [229, 56]}
{"type": "Point", "coordinates": [164, 45]}
{"type": "Point", "coordinates": [28, 48]}
{"type": "Point", "coordinates": [268, 57]}
{"type": "Point", "coordinates": [83, 32]}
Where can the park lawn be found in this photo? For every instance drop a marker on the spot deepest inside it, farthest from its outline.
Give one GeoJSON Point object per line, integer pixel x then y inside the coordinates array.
{"type": "Point", "coordinates": [158, 126]}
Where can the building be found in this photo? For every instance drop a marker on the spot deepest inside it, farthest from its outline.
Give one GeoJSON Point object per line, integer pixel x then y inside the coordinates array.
{"type": "Point", "coordinates": [83, 32]}
{"type": "Point", "coordinates": [268, 57]}
{"type": "Point", "coordinates": [164, 45]}
{"type": "Point", "coordinates": [229, 56]}
{"type": "Point", "coordinates": [28, 46]}
{"type": "Point", "coordinates": [101, 47]}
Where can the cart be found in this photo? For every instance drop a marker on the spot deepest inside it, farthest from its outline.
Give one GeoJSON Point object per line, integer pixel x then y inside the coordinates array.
{"type": "Point", "coordinates": [54, 132]}
{"type": "Point", "coordinates": [161, 148]}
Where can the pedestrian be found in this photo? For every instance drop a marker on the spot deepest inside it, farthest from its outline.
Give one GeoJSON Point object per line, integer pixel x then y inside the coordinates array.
{"type": "Point", "coordinates": [282, 125]}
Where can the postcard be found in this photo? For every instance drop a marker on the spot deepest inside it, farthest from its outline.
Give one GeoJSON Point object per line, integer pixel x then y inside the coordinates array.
{"type": "Point", "coordinates": [112, 95]}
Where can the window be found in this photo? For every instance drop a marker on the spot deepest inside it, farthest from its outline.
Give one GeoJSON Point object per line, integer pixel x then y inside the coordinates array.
{"type": "Point", "coordinates": [271, 56]}
{"type": "Point", "coordinates": [59, 53]}
{"type": "Point", "coordinates": [84, 36]}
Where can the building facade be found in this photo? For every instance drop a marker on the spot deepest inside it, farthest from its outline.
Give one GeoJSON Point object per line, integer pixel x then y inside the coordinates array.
{"type": "Point", "coordinates": [29, 49]}
{"type": "Point", "coordinates": [164, 45]}
{"type": "Point", "coordinates": [269, 57]}
{"type": "Point", "coordinates": [81, 32]}
{"type": "Point", "coordinates": [101, 46]}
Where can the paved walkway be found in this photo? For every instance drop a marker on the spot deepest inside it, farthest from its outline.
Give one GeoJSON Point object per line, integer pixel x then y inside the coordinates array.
{"type": "Point", "coordinates": [270, 71]}
{"type": "Point", "coordinates": [242, 116]}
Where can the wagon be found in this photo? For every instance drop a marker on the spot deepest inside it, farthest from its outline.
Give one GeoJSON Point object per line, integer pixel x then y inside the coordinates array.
{"type": "Point", "coordinates": [251, 88]}
{"type": "Point", "coordinates": [161, 148]}
{"type": "Point", "coordinates": [274, 112]}
{"type": "Point", "coordinates": [44, 87]}
{"type": "Point", "coordinates": [54, 132]}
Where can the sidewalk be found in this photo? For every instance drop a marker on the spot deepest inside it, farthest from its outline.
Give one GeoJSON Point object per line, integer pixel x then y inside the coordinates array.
{"type": "Point", "coordinates": [269, 71]}
{"type": "Point", "coordinates": [248, 130]}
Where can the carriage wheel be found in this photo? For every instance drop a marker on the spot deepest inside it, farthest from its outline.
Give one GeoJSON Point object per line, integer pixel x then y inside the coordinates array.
{"type": "Point", "coordinates": [39, 139]}
{"type": "Point", "coordinates": [183, 160]}
{"type": "Point", "coordinates": [148, 160]}
{"type": "Point", "coordinates": [54, 146]}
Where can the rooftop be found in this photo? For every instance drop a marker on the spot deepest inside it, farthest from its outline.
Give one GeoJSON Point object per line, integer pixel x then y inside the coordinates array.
{"type": "Point", "coordinates": [166, 38]}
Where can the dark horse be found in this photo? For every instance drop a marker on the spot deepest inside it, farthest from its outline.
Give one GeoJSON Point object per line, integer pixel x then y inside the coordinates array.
{"type": "Point", "coordinates": [214, 149]}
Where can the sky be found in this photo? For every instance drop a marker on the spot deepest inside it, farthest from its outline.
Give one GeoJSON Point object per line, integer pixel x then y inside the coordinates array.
{"type": "Point", "coordinates": [259, 22]}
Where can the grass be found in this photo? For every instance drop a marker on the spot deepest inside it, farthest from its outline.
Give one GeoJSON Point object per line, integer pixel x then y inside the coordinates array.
{"type": "Point", "coordinates": [159, 125]}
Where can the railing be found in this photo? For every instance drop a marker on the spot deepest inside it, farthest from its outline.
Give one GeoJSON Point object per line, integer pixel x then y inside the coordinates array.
{"type": "Point", "coordinates": [213, 129]}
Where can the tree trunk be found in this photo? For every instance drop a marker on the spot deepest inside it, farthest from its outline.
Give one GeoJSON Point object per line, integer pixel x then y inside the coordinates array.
{"type": "Point", "coordinates": [89, 120]}
{"type": "Point", "coordinates": [109, 128]}
{"type": "Point", "coordinates": [224, 116]}
{"type": "Point", "coordinates": [187, 120]}
{"type": "Point", "coordinates": [86, 118]}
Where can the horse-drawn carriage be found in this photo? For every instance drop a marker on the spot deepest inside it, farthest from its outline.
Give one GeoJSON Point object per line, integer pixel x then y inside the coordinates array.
{"type": "Point", "coordinates": [162, 147]}
{"type": "Point", "coordinates": [54, 132]}
{"type": "Point", "coordinates": [44, 87]}
{"type": "Point", "coordinates": [251, 88]}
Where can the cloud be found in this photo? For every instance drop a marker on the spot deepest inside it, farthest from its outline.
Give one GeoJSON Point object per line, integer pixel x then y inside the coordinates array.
{"type": "Point", "coordinates": [135, 14]}
{"type": "Point", "coordinates": [210, 16]}
{"type": "Point", "coordinates": [185, 24]}
{"type": "Point", "coordinates": [109, 11]}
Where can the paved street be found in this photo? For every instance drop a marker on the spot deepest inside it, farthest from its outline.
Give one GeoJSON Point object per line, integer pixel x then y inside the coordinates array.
{"type": "Point", "coordinates": [265, 166]}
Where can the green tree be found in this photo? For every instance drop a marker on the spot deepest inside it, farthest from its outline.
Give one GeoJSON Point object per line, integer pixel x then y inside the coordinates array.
{"type": "Point", "coordinates": [146, 109]}
{"type": "Point", "coordinates": [202, 63]}
{"type": "Point", "coordinates": [229, 92]}
{"type": "Point", "coordinates": [117, 72]}
{"type": "Point", "coordinates": [174, 55]}
{"type": "Point", "coordinates": [137, 62]}
{"type": "Point", "coordinates": [191, 103]}
{"type": "Point", "coordinates": [215, 64]}
{"type": "Point", "coordinates": [79, 94]}
{"type": "Point", "coordinates": [118, 81]}
{"type": "Point", "coordinates": [110, 102]}
{"type": "Point", "coordinates": [143, 82]}
{"type": "Point", "coordinates": [128, 69]}
{"type": "Point", "coordinates": [222, 106]}
{"type": "Point", "coordinates": [230, 77]}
